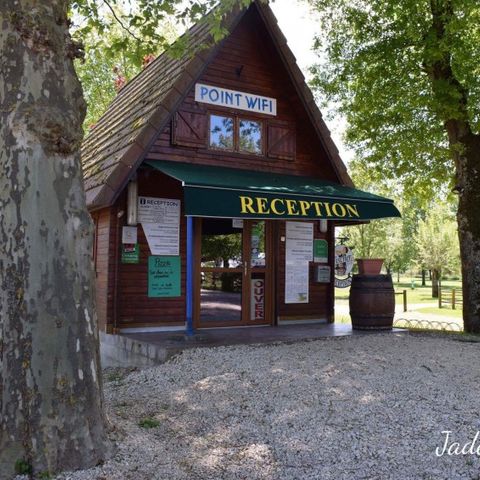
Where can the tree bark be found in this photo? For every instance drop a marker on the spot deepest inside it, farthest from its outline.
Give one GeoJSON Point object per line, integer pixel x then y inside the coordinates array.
{"type": "Point", "coordinates": [424, 283]}
{"type": "Point", "coordinates": [465, 147]}
{"type": "Point", "coordinates": [468, 179]}
{"type": "Point", "coordinates": [51, 412]}
{"type": "Point", "coordinates": [435, 277]}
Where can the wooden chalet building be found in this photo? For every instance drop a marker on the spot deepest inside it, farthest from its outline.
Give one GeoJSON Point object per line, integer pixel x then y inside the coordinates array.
{"type": "Point", "coordinates": [215, 188]}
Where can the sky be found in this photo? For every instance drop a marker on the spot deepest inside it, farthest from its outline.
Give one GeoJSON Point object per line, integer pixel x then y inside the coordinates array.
{"type": "Point", "coordinates": [299, 27]}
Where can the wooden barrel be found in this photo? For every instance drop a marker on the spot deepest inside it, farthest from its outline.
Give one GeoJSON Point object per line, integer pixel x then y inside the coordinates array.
{"type": "Point", "coordinates": [372, 302]}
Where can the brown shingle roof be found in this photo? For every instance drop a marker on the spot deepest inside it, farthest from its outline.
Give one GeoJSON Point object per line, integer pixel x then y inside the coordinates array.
{"type": "Point", "coordinates": [118, 143]}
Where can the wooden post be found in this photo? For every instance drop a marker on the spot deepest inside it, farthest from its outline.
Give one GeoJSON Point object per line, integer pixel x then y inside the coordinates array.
{"type": "Point", "coordinates": [453, 299]}
{"type": "Point", "coordinates": [439, 298]}
{"type": "Point", "coordinates": [404, 300]}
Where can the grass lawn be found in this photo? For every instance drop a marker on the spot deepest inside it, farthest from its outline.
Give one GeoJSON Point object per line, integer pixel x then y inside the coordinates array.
{"type": "Point", "coordinates": [416, 295]}
{"type": "Point", "coordinates": [447, 312]}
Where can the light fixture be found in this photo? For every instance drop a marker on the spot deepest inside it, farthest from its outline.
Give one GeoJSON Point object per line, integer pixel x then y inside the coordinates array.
{"type": "Point", "coordinates": [132, 201]}
{"type": "Point", "coordinates": [323, 226]}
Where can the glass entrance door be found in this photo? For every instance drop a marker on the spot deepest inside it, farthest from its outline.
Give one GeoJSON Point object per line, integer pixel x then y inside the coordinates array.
{"type": "Point", "coordinates": [234, 276]}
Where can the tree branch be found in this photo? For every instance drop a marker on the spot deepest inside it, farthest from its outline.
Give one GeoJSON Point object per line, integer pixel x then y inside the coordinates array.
{"type": "Point", "coordinates": [441, 73]}
{"type": "Point", "coordinates": [107, 3]}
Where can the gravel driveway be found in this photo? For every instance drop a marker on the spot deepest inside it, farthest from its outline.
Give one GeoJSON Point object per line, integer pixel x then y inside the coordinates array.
{"type": "Point", "coordinates": [361, 407]}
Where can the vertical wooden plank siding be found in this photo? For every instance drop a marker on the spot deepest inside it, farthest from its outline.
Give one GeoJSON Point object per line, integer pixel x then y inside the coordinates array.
{"type": "Point", "coordinates": [318, 306]}
{"type": "Point", "coordinates": [250, 48]}
{"type": "Point", "coordinates": [135, 308]}
{"type": "Point", "coordinates": [104, 265]}
{"type": "Point", "coordinates": [249, 62]}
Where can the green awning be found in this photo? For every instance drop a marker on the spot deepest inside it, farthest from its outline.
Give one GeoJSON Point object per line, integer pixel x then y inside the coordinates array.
{"type": "Point", "coordinates": [233, 193]}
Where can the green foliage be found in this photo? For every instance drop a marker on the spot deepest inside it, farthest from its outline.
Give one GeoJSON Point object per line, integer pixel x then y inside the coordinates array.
{"type": "Point", "coordinates": [390, 239]}
{"type": "Point", "coordinates": [379, 56]}
{"type": "Point", "coordinates": [23, 467]}
{"type": "Point", "coordinates": [114, 377]}
{"type": "Point", "coordinates": [118, 34]}
{"type": "Point", "coordinates": [148, 423]}
{"type": "Point", "coordinates": [219, 249]}
{"type": "Point", "coordinates": [112, 58]}
{"type": "Point", "coordinates": [437, 240]}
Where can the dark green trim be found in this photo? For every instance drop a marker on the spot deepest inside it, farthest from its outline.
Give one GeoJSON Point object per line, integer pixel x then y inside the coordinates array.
{"type": "Point", "coordinates": [218, 191]}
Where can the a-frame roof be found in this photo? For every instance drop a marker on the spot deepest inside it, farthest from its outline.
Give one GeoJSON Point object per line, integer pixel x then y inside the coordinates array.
{"type": "Point", "coordinates": [142, 109]}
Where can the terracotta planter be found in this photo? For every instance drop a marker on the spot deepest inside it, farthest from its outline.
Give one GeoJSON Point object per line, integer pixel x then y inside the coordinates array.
{"type": "Point", "coordinates": [369, 266]}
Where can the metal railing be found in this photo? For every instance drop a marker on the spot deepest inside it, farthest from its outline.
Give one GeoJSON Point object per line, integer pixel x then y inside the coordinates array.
{"type": "Point", "coordinates": [438, 325]}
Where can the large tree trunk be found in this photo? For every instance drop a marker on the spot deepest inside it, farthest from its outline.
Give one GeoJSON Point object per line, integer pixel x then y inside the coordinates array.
{"type": "Point", "coordinates": [435, 280]}
{"type": "Point", "coordinates": [468, 178]}
{"type": "Point", "coordinates": [452, 100]}
{"type": "Point", "coordinates": [51, 415]}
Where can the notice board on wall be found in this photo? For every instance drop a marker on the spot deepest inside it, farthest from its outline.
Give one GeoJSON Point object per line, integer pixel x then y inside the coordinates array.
{"type": "Point", "coordinates": [160, 219]}
{"type": "Point", "coordinates": [164, 276]}
{"type": "Point", "coordinates": [320, 251]}
{"type": "Point", "coordinates": [298, 254]}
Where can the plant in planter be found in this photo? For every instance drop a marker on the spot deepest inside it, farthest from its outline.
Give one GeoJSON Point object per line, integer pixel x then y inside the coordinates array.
{"type": "Point", "coordinates": [369, 266]}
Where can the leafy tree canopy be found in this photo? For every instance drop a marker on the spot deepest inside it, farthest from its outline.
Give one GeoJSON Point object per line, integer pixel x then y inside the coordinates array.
{"type": "Point", "coordinates": [378, 60]}
{"type": "Point", "coordinates": [437, 241]}
{"type": "Point", "coordinates": [119, 37]}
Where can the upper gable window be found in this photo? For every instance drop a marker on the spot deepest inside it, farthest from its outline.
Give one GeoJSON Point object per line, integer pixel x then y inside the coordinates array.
{"type": "Point", "coordinates": [221, 132]}
{"type": "Point", "coordinates": [236, 134]}
{"type": "Point", "coordinates": [250, 139]}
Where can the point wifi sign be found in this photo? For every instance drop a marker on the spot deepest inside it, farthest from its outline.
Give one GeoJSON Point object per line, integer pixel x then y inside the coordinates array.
{"type": "Point", "coordinates": [234, 99]}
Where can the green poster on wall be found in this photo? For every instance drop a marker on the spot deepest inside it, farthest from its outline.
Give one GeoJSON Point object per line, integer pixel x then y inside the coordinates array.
{"type": "Point", "coordinates": [163, 276]}
{"type": "Point", "coordinates": [130, 253]}
{"type": "Point", "coordinates": [320, 251]}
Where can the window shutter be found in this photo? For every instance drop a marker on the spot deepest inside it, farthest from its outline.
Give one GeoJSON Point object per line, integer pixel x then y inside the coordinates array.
{"type": "Point", "coordinates": [190, 128]}
{"type": "Point", "coordinates": [281, 140]}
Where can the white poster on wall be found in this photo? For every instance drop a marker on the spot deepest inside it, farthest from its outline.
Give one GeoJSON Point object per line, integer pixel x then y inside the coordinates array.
{"type": "Point", "coordinates": [298, 254]}
{"type": "Point", "coordinates": [129, 235]}
{"type": "Point", "coordinates": [160, 219]}
{"type": "Point", "coordinates": [299, 242]}
{"type": "Point", "coordinates": [296, 283]}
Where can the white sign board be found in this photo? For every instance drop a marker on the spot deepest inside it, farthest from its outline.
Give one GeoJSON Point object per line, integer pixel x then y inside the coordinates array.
{"type": "Point", "coordinates": [160, 219]}
{"type": "Point", "coordinates": [237, 223]}
{"type": "Point", "coordinates": [344, 261]}
{"type": "Point", "coordinates": [129, 235]}
{"type": "Point", "coordinates": [323, 274]}
{"type": "Point", "coordinates": [257, 296]}
{"type": "Point", "coordinates": [296, 283]}
{"type": "Point", "coordinates": [235, 99]}
{"type": "Point", "coordinates": [299, 242]}
{"type": "Point", "coordinates": [298, 254]}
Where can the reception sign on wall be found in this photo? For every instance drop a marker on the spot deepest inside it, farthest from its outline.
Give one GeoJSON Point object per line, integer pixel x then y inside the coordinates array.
{"type": "Point", "coordinates": [160, 219]}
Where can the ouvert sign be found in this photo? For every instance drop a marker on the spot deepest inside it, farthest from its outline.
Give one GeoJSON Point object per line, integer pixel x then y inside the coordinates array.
{"type": "Point", "coordinates": [231, 98]}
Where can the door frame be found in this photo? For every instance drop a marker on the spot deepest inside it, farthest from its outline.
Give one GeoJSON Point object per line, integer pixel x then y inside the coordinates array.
{"type": "Point", "coordinates": [245, 270]}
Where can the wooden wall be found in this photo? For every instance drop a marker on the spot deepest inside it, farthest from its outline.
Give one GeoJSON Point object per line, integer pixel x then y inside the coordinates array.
{"type": "Point", "coordinates": [319, 305]}
{"type": "Point", "coordinates": [135, 308]}
{"type": "Point", "coordinates": [104, 262]}
{"type": "Point", "coordinates": [263, 74]}
{"type": "Point", "coordinates": [122, 289]}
